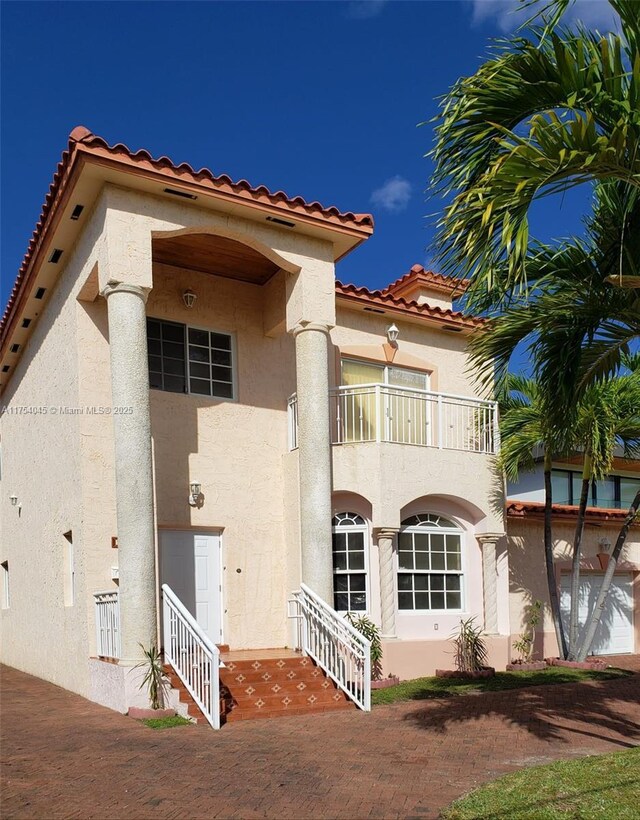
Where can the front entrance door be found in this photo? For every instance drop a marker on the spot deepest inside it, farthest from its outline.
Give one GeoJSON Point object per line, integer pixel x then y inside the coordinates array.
{"type": "Point", "coordinates": [190, 565]}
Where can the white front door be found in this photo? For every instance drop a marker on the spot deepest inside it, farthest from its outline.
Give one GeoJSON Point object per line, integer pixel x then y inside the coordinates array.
{"type": "Point", "coordinates": [614, 634]}
{"type": "Point", "coordinates": [190, 565]}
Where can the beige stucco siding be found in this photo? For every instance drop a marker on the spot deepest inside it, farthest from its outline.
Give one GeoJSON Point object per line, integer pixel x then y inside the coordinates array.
{"type": "Point", "coordinates": [235, 449]}
{"type": "Point", "coordinates": [528, 573]}
{"type": "Point", "coordinates": [42, 465]}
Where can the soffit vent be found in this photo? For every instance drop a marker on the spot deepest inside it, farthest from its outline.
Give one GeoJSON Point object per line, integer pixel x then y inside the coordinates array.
{"type": "Point", "coordinates": [183, 194]}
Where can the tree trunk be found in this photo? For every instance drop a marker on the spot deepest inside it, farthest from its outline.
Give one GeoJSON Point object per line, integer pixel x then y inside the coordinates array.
{"type": "Point", "coordinates": [554, 601]}
{"type": "Point", "coordinates": [594, 617]}
{"type": "Point", "coordinates": [577, 555]}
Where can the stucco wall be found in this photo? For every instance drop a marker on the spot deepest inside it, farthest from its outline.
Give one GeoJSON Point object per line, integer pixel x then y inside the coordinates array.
{"type": "Point", "coordinates": [42, 465]}
{"type": "Point", "coordinates": [528, 573]}
{"type": "Point", "coordinates": [235, 449]}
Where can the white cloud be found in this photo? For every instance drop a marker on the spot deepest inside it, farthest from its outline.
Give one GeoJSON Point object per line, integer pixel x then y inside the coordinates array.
{"type": "Point", "coordinates": [393, 196]}
{"type": "Point", "coordinates": [509, 14]}
{"type": "Point", "coordinates": [365, 9]}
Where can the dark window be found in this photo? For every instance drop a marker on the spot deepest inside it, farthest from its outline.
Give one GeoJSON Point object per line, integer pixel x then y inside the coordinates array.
{"type": "Point", "coordinates": [166, 345]}
{"type": "Point", "coordinates": [189, 360]}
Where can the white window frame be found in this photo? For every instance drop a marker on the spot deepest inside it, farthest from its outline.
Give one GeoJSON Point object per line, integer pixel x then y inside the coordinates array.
{"type": "Point", "coordinates": [386, 369]}
{"type": "Point", "coordinates": [454, 529]}
{"type": "Point", "coordinates": [6, 589]}
{"type": "Point", "coordinates": [352, 528]}
{"type": "Point", "coordinates": [187, 363]}
{"type": "Point", "coordinates": [234, 365]}
{"type": "Point", "coordinates": [69, 570]}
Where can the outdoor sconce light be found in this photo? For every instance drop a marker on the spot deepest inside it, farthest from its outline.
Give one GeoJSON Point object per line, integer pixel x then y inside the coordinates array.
{"type": "Point", "coordinates": [195, 494]}
{"type": "Point", "coordinates": [189, 298]}
{"type": "Point", "coordinates": [604, 544]}
{"type": "Point", "coordinates": [392, 334]}
{"type": "Point", "coordinates": [13, 499]}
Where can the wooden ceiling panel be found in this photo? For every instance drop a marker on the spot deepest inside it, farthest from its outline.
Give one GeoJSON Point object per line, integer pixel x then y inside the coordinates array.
{"type": "Point", "coordinates": [216, 255]}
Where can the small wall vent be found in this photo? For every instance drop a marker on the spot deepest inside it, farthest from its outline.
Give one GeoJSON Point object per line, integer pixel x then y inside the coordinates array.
{"type": "Point", "coordinates": [15, 348]}
{"type": "Point", "coordinates": [183, 194]}
{"type": "Point", "coordinates": [40, 293]}
{"type": "Point", "coordinates": [55, 256]}
{"type": "Point", "coordinates": [26, 322]}
{"type": "Point", "coordinates": [5, 369]}
{"type": "Point", "coordinates": [283, 222]}
{"type": "Point", "coordinates": [75, 214]}
{"type": "Point", "coordinates": [373, 310]}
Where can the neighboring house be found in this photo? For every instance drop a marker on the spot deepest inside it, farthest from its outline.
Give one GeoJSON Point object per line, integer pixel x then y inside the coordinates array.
{"type": "Point", "coordinates": [619, 629]}
{"type": "Point", "coordinates": [191, 399]}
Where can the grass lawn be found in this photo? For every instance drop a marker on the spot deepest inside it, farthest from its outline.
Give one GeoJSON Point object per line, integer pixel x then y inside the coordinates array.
{"type": "Point", "coordinates": [425, 688]}
{"type": "Point", "coordinates": [167, 722]}
{"type": "Point", "coordinates": [593, 788]}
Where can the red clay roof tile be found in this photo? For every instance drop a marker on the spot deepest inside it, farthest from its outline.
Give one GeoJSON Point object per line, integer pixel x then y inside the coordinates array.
{"type": "Point", "coordinates": [81, 140]}
{"type": "Point", "coordinates": [388, 300]}
{"type": "Point", "coordinates": [535, 509]}
{"type": "Point", "coordinates": [437, 281]}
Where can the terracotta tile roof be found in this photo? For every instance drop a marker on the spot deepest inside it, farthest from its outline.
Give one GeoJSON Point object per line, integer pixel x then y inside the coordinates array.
{"type": "Point", "coordinates": [384, 299]}
{"type": "Point", "coordinates": [434, 281]}
{"type": "Point", "coordinates": [83, 142]}
{"type": "Point", "coordinates": [535, 509]}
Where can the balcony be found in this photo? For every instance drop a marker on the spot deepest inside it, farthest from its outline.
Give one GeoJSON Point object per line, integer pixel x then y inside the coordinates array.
{"type": "Point", "coordinates": [400, 415]}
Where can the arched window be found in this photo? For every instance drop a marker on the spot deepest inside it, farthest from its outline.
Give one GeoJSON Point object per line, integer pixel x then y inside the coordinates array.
{"type": "Point", "coordinates": [430, 564]}
{"type": "Point", "coordinates": [349, 562]}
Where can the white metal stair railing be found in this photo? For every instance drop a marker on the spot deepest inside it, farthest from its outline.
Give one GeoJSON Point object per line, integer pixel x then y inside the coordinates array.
{"type": "Point", "coordinates": [195, 659]}
{"type": "Point", "coordinates": [335, 645]}
{"type": "Point", "coordinates": [107, 610]}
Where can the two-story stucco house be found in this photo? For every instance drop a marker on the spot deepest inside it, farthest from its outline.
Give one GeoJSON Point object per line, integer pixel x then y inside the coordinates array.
{"type": "Point", "coordinates": [208, 441]}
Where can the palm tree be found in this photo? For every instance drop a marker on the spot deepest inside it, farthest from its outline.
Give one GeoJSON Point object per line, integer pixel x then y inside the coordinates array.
{"type": "Point", "coordinates": [543, 114]}
{"type": "Point", "coordinates": [608, 415]}
{"type": "Point", "coordinates": [523, 431]}
{"type": "Point", "coordinates": [577, 326]}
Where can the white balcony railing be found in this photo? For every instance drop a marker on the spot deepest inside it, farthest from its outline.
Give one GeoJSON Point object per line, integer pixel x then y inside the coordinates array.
{"type": "Point", "coordinates": [107, 612]}
{"type": "Point", "coordinates": [335, 645]}
{"type": "Point", "coordinates": [401, 415]}
{"type": "Point", "coordinates": [190, 652]}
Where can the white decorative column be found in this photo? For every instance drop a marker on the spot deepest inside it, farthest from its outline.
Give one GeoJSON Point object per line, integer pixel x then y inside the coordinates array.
{"type": "Point", "coordinates": [385, 537]}
{"type": "Point", "coordinates": [133, 470]}
{"type": "Point", "coordinates": [488, 543]}
{"type": "Point", "coordinates": [314, 454]}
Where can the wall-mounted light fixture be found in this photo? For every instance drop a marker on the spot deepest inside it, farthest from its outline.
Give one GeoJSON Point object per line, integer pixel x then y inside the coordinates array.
{"type": "Point", "coordinates": [604, 544]}
{"type": "Point", "coordinates": [392, 334]}
{"type": "Point", "coordinates": [189, 298]}
{"type": "Point", "coordinates": [195, 493]}
{"type": "Point", "coordinates": [13, 499]}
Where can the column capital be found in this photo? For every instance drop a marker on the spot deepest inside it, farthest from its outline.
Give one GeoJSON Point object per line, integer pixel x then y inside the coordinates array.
{"type": "Point", "coordinates": [489, 537]}
{"type": "Point", "coordinates": [385, 532]}
{"type": "Point", "coordinates": [303, 325]}
{"type": "Point", "coordinates": [123, 287]}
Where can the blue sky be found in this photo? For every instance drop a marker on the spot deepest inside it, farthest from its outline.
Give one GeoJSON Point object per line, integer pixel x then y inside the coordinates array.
{"type": "Point", "coordinates": [320, 99]}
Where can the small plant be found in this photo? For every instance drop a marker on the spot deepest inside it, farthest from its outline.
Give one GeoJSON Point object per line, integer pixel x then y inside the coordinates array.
{"type": "Point", "coordinates": [524, 644]}
{"type": "Point", "coordinates": [154, 678]}
{"type": "Point", "coordinates": [366, 627]}
{"type": "Point", "coordinates": [470, 648]}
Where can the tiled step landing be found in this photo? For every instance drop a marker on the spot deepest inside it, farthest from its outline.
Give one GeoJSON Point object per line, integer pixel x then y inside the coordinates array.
{"type": "Point", "coordinates": [266, 684]}
{"type": "Point", "coordinates": [273, 683]}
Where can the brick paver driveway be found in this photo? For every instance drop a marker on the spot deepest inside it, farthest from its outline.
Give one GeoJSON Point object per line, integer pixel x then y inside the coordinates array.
{"type": "Point", "coordinates": [66, 757]}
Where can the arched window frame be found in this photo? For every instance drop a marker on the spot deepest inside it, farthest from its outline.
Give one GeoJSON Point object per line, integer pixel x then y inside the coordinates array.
{"type": "Point", "coordinates": [421, 590]}
{"type": "Point", "coordinates": [350, 524]}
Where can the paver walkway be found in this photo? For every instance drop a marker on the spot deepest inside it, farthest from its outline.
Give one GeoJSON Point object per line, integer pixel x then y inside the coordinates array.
{"type": "Point", "coordinates": [66, 757]}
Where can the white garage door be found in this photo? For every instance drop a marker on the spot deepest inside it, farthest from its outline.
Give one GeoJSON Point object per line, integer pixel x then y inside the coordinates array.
{"type": "Point", "coordinates": [615, 630]}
